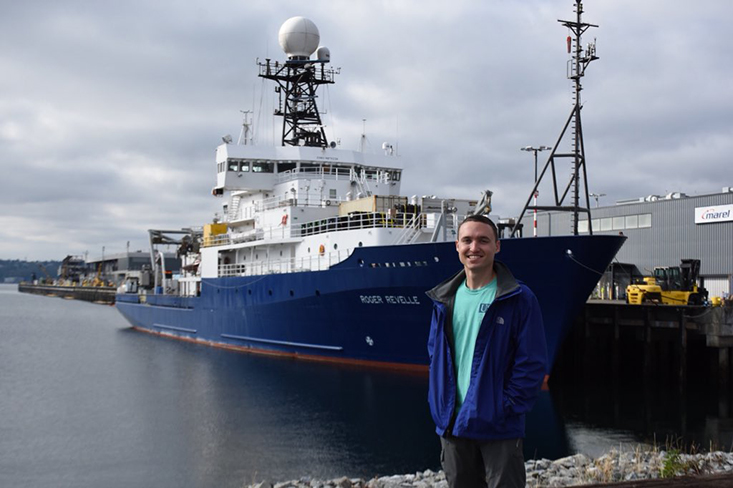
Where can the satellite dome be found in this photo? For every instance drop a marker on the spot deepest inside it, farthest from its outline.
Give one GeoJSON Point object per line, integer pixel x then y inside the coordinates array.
{"type": "Point", "coordinates": [299, 37]}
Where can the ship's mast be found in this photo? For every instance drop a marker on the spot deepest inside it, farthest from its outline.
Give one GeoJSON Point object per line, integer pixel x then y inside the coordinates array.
{"type": "Point", "coordinates": [298, 79]}
{"type": "Point", "coordinates": [576, 70]}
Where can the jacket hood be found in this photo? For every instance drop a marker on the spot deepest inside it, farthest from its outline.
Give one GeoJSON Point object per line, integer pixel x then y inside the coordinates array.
{"type": "Point", "coordinates": [505, 284]}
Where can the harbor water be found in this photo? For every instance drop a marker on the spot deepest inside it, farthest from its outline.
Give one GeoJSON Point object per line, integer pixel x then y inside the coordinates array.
{"type": "Point", "coordinates": [85, 401]}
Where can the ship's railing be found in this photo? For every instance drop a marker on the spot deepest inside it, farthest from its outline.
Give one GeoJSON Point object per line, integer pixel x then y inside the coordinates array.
{"type": "Point", "coordinates": [355, 221]}
{"type": "Point", "coordinates": [314, 172]}
{"type": "Point", "coordinates": [310, 199]}
{"type": "Point", "coordinates": [320, 262]}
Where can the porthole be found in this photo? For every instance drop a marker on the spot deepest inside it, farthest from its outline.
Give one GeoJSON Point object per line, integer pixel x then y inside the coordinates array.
{"type": "Point", "coordinates": [269, 292]}
{"type": "Point", "coordinates": [249, 292]}
{"type": "Point", "coordinates": [335, 246]}
{"type": "Point", "coordinates": [361, 244]}
{"type": "Point", "coordinates": [318, 293]}
{"type": "Point", "coordinates": [292, 293]}
{"type": "Point", "coordinates": [361, 262]}
{"type": "Point", "coordinates": [436, 259]}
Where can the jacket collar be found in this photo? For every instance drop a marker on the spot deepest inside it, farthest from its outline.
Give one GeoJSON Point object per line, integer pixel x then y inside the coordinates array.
{"type": "Point", "coordinates": [506, 284]}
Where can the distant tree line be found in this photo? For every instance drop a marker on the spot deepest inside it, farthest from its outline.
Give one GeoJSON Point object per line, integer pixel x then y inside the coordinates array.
{"type": "Point", "coordinates": [15, 270]}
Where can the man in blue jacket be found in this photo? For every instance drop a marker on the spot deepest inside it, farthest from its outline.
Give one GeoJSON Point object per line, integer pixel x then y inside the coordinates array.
{"type": "Point", "coordinates": [487, 363]}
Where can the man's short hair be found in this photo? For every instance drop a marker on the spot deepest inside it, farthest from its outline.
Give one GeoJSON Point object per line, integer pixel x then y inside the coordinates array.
{"type": "Point", "coordinates": [484, 220]}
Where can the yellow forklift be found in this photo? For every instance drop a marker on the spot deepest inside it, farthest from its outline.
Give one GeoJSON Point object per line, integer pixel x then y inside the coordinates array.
{"type": "Point", "coordinates": [674, 285]}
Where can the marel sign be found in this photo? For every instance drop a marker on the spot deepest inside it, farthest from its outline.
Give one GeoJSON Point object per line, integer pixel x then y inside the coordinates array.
{"type": "Point", "coordinates": [718, 213]}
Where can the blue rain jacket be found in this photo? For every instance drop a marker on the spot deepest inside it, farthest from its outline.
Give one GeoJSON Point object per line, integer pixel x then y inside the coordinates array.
{"type": "Point", "coordinates": [508, 368]}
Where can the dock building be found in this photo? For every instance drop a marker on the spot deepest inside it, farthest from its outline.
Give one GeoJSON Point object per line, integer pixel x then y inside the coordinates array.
{"type": "Point", "coordinates": [661, 231]}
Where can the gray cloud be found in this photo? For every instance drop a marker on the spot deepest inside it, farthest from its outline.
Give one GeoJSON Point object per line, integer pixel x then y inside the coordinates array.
{"type": "Point", "coordinates": [110, 111]}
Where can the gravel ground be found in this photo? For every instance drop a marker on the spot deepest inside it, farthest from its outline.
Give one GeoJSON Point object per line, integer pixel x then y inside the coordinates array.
{"type": "Point", "coordinates": [572, 470]}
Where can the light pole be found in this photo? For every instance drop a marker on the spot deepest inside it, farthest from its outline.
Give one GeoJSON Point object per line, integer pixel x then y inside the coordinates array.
{"type": "Point", "coordinates": [535, 150]}
{"type": "Point", "coordinates": [597, 196]}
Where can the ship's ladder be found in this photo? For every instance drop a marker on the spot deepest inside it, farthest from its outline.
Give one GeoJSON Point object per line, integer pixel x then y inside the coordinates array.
{"type": "Point", "coordinates": [362, 185]}
{"type": "Point", "coordinates": [234, 208]}
{"type": "Point", "coordinates": [411, 232]}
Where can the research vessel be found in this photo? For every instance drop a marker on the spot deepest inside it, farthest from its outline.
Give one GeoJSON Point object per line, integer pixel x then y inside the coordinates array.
{"type": "Point", "coordinates": [318, 255]}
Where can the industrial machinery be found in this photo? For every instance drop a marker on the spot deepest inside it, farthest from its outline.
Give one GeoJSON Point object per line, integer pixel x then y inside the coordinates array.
{"type": "Point", "coordinates": [674, 285]}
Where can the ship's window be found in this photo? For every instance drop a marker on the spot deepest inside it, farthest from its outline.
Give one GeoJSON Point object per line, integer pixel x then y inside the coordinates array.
{"type": "Point", "coordinates": [281, 254]}
{"type": "Point", "coordinates": [269, 292]}
{"type": "Point", "coordinates": [332, 193]}
{"type": "Point", "coordinates": [292, 293]}
{"type": "Point", "coordinates": [402, 265]}
{"type": "Point", "coordinates": [283, 167]}
{"type": "Point", "coordinates": [318, 293]}
{"type": "Point", "coordinates": [244, 167]}
{"type": "Point", "coordinates": [249, 292]}
{"type": "Point", "coordinates": [437, 259]}
{"type": "Point", "coordinates": [335, 246]}
{"type": "Point", "coordinates": [262, 167]}
{"type": "Point", "coordinates": [361, 262]}
{"type": "Point", "coordinates": [309, 249]}
{"type": "Point", "coordinates": [360, 244]}
{"type": "Point", "coordinates": [232, 166]}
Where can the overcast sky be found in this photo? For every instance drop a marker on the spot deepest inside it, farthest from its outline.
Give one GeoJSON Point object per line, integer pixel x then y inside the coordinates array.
{"type": "Point", "coordinates": [110, 111]}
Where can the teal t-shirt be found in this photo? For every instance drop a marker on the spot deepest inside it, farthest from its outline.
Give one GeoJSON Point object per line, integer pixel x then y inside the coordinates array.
{"type": "Point", "coordinates": [468, 312]}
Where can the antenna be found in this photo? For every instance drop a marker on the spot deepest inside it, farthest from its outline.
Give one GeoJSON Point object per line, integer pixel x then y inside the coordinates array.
{"type": "Point", "coordinates": [576, 70]}
{"type": "Point", "coordinates": [362, 142]}
{"type": "Point", "coordinates": [244, 136]}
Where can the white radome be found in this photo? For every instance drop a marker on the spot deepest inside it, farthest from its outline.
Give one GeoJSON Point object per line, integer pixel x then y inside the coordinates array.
{"type": "Point", "coordinates": [299, 36]}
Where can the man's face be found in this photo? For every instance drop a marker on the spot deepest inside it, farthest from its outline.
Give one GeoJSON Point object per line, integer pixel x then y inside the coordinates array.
{"type": "Point", "coordinates": [476, 246]}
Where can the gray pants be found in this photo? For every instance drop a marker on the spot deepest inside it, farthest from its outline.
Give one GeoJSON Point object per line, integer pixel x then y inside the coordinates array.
{"type": "Point", "coordinates": [469, 463]}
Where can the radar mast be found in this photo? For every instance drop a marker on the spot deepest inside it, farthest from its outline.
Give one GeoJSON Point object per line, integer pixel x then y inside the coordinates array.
{"type": "Point", "coordinates": [298, 80]}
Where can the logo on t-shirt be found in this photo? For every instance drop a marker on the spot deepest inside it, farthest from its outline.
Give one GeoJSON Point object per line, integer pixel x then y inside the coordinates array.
{"type": "Point", "coordinates": [483, 307]}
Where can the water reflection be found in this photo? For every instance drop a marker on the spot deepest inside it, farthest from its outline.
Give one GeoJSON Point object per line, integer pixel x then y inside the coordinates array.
{"type": "Point", "coordinates": [91, 402]}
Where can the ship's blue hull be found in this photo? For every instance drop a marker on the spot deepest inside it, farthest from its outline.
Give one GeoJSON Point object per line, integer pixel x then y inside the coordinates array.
{"type": "Point", "coordinates": [371, 307]}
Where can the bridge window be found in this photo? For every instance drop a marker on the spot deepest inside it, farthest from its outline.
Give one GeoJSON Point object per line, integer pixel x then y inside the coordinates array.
{"type": "Point", "coordinates": [262, 167]}
{"type": "Point", "coordinates": [285, 166]}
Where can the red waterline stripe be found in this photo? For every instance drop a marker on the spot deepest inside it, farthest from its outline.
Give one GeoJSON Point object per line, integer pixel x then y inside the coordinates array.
{"type": "Point", "coordinates": [411, 368]}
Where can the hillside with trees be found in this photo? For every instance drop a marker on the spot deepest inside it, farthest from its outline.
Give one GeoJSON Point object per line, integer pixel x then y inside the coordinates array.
{"type": "Point", "coordinates": [15, 270]}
